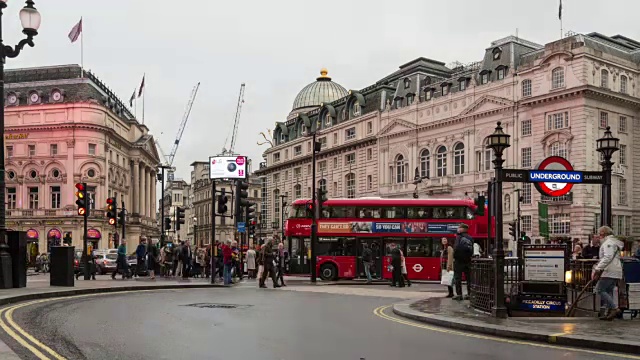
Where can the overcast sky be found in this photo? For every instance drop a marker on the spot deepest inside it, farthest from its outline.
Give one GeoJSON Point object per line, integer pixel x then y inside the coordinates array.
{"type": "Point", "coordinates": [277, 47]}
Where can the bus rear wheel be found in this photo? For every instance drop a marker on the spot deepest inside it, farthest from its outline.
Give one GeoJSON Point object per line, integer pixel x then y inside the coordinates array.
{"type": "Point", "coordinates": [328, 272]}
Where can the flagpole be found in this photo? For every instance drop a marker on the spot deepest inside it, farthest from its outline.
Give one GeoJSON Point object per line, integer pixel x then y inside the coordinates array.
{"type": "Point", "coordinates": [144, 92]}
{"type": "Point", "coordinates": [81, 51]}
{"type": "Point", "coordinates": [560, 16]}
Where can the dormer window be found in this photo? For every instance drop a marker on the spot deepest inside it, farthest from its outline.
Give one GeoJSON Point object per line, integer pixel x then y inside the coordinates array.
{"type": "Point", "coordinates": [409, 99]}
{"type": "Point", "coordinates": [497, 53]}
{"type": "Point", "coordinates": [484, 76]}
{"type": "Point", "coordinates": [445, 89]}
{"type": "Point", "coordinates": [463, 84]}
{"type": "Point", "coordinates": [501, 72]}
{"type": "Point", "coordinates": [283, 137]}
{"type": "Point", "coordinates": [356, 109]}
{"type": "Point", "coordinates": [327, 120]}
{"type": "Point", "coordinates": [303, 131]}
{"type": "Point", "coordinates": [398, 103]}
{"type": "Point", "coordinates": [428, 94]}
{"type": "Point", "coordinates": [407, 83]}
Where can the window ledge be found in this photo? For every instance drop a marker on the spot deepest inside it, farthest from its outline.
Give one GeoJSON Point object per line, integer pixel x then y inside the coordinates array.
{"type": "Point", "coordinates": [561, 88]}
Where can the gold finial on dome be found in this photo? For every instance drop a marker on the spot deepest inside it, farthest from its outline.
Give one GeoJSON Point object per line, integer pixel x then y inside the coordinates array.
{"type": "Point", "coordinates": [324, 74]}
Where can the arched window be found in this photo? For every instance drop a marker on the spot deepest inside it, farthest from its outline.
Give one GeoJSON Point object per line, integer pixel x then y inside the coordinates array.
{"type": "Point", "coordinates": [557, 78]}
{"type": "Point", "coordinates": [327, 120]}
{"type": "Point", "coordinates": [559, 149]}
{"type": "Point", "coordinates": [507, 203]}
{"type": "Point", "coordinates": [623, 84]}
{"type": "Point", "coordinates": [425, 163]}
{"type": "Point", "coordinates": [357, 111]}
{"type": "Point", "coordinates": [322, 184]}
{"type": "Point", "coordinates": [526, 88]}
{"type": "Point", "coordinates": [350, 180]}
{"type": "Point", "coordinates": [604, 78]}
{"type": "Point", "coordinates": [401, 176]}
{"type": "Point", "coordinates": [297, 191]}
{"type": "Point", "coordinates": [441, 161]}
{"type": "Point", "coordinates": [458, 159]}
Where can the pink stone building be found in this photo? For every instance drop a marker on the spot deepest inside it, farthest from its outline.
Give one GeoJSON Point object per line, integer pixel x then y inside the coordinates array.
{"type": "Point", "coordinates": [431, 120]}
{"type": "Point", "coordinates": [62, 129]}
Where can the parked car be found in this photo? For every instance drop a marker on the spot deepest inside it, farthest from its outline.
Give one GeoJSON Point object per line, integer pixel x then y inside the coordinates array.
{"type": "Point", "coordinates": [105, 263]}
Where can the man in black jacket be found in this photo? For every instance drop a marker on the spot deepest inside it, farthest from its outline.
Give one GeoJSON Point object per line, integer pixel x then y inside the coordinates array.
{"type": "Point", "coordinates": [187, 256]}
{"type": "Point", "coordinates": [396, 263]}
{"type": "Point", "coordinates": [462, 254]}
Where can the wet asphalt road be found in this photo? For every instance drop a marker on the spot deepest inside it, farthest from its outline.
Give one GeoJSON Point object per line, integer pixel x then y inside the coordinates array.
{"type": "Point", "coordinates": [269, 325]}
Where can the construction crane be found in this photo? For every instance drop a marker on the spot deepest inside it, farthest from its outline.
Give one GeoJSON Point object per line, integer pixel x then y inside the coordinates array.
{"type": "Point", "coordinates": [172, 155]}
{"type": "Point", "coordinates": [234, 131]}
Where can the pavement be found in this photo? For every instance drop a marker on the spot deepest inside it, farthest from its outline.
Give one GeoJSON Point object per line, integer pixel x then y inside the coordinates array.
{"type": "Point", "coordinates": [244, 322]}
{"type": "Point", "coordinates": [588, 333]}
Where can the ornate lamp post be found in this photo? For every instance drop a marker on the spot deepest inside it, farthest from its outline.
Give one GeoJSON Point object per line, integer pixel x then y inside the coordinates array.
{"type": "Point", "coordinates": [283, 204]}
{"type": "Point", "coordinates": [30, 18]}
{"type": "Point", "coordinates": [607, 145]}
{"type": "Point", "coordinates": [498, 142]}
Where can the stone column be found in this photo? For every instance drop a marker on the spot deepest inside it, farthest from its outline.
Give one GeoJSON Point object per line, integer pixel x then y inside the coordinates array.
{"type": "Point", "coordinates": [152, 193]}
{"type": "Point", "coordinates": [143, 190]}
{"type": "Point", "coordinates": [135, 197]}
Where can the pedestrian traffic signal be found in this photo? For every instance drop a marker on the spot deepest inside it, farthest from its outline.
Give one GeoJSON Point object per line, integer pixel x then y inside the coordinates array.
{"type": "Point", "coordinates": [523, 236]}
{"type": "Point", "coordinates": [309, 207]}
{"type": "Point", "coordinates": [167, 223]}
{"type": "Point", "coordinates": [112, 210]}
{"type": "Point", "coordinates": [512, 229]}
{"type": "Point", "coordinates": [222, 201]}
{"type": "Point", "coordinates": [179, 217]}
{"type": "Point", "coordinates": [82, 199]}
{"type": "Point", "coordinates": [322, 198]}
{"type": "Point", "coordinates": [252, 228]}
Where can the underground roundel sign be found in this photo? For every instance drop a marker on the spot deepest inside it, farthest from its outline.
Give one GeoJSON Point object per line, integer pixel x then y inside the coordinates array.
{"type": "Point", "coordinates": [554, 176]}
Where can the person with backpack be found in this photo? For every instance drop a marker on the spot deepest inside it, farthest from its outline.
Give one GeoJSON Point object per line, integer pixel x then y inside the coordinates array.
{"type": "Point", "coordinates": [367, 261]}
{"type": "Point", "coordinates": [462, 254]}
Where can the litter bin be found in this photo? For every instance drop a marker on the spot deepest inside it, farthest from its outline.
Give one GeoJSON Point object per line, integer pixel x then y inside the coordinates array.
{"type": "Point", "coordinates": [631, 269]}
{"type": "Point", "coordinates": [61, 261]}
{"type": "Point", "coordinates": [18, 250]}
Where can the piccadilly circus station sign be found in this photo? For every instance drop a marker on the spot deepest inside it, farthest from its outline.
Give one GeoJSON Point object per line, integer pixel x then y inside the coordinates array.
{"type": "Point", "coordinates": [554, 176]}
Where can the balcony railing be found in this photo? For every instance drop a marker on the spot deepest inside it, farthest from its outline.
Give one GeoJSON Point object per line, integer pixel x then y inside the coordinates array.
{"type": "Point", "coordinates": [558, 200]}
{"type": "Point", "coordinates": [48, 213]}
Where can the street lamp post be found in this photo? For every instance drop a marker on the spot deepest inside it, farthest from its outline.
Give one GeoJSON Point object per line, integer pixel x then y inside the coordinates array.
{"type": "Point", "coordinates": [283, 203]}
{"type": "Point", "coordinates": [195, 225]}
{"type": "Point", "coordinates": [498, 142]}
{"type": "Point", "coordinates": [30, 19]}
{"type": "Point", "coordinates": [607, 145]}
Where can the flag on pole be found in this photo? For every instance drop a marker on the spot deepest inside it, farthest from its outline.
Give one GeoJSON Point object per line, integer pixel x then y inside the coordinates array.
{"type": "Point", "coordinates": [560, 11]}
{"type": "Point", "coordinates": [76, 31]}
{"type": "Point", "coordinates": [133, 97]}
{"type": "Point", "coordinates": [141, 87]}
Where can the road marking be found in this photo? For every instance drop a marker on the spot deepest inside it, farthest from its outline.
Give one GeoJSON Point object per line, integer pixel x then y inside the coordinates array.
{"type": "Point", "coordinates": [379, 312]}
{"type": "Point", "coordinates": [25, 339]}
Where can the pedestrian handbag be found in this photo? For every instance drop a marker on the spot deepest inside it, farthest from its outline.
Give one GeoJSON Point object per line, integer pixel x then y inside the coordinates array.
{"type": "Point", "coordinates": [446, 277]}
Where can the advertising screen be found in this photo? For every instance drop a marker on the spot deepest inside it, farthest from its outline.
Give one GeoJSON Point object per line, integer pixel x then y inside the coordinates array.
{"type": "Point", "coordinates": [228, 167]}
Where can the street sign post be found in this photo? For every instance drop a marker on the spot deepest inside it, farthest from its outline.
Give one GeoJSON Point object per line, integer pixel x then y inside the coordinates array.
{"type": "Point", "coordinates": [242, 227]}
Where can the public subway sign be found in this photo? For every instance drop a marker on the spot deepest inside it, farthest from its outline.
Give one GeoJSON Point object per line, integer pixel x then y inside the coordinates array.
{"type": "Point", "coordinates": [554, 176]}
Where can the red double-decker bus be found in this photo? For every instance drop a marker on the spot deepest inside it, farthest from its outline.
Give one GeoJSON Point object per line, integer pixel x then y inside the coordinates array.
{"type": "Point", "coordinates": [416, 225]}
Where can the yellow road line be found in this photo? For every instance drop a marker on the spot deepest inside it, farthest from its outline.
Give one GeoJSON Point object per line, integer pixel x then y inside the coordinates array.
{"type": "Point", "coordinates": [379, 312]}
{"type": "Point", "coordinates": [20, 338]}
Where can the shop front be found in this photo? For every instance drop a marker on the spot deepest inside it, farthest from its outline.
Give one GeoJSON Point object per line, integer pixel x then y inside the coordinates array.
{"type": "Point", "coordinates": [93, 239]}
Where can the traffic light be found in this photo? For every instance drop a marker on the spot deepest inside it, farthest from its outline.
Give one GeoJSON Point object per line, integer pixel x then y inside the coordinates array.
{"type": "Point", "coordinates": [252, 228]}
{"type": "Point", "coordinates": [523, 236]}
{"type": "Point", "coordinates": [167, 223]}
{"type": "Point", "coordinates": [512, 229]}
{"type": "Point", "coordinates": [112, 210]}
{"type": "Point", "coordinates": [222, 201]}
{"type": "Point", "coordinates": [480, 200]}
{"type": "Point", "coordinates": [242, 196]}
{"type": "Point", "coordinates": [322, 198]}
{"type": "Point", "coordinates": [121, 217]}
{"type": "Point", "coordinates": [309, 207]}
{"type": "Point", "coordinates": [179, 217]}
{"type": "Point", "coordinates": [82, 199]}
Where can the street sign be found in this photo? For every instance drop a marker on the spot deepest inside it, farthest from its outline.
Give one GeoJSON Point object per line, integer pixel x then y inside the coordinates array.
{"type": "Point", "coordinates": [593, 177]}
{"type": "Point", "coordinates": [554, 176]}
{"type": "Point", "coordinates": [242, 227]}
{"type": "Point", "coordinates": [228, 167]}
{"type": "Point", "coordinates": [514, 175]}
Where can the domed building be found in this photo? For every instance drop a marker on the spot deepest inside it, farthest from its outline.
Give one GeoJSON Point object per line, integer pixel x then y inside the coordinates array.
{"type": "Point", "coordinates": [323, 90]}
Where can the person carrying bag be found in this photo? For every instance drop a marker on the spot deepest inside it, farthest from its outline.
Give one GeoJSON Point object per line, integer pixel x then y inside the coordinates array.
{"type": "Point", "coordinates": [446, 262]}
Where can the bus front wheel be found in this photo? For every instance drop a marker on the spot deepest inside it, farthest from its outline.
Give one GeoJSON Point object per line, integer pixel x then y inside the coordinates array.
{"type": "Point", "coordinates": [328, 272]}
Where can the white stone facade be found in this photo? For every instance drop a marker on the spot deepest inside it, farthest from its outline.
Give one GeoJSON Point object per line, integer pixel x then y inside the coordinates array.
{"type": "Point", "coordinates": [555, 99]}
